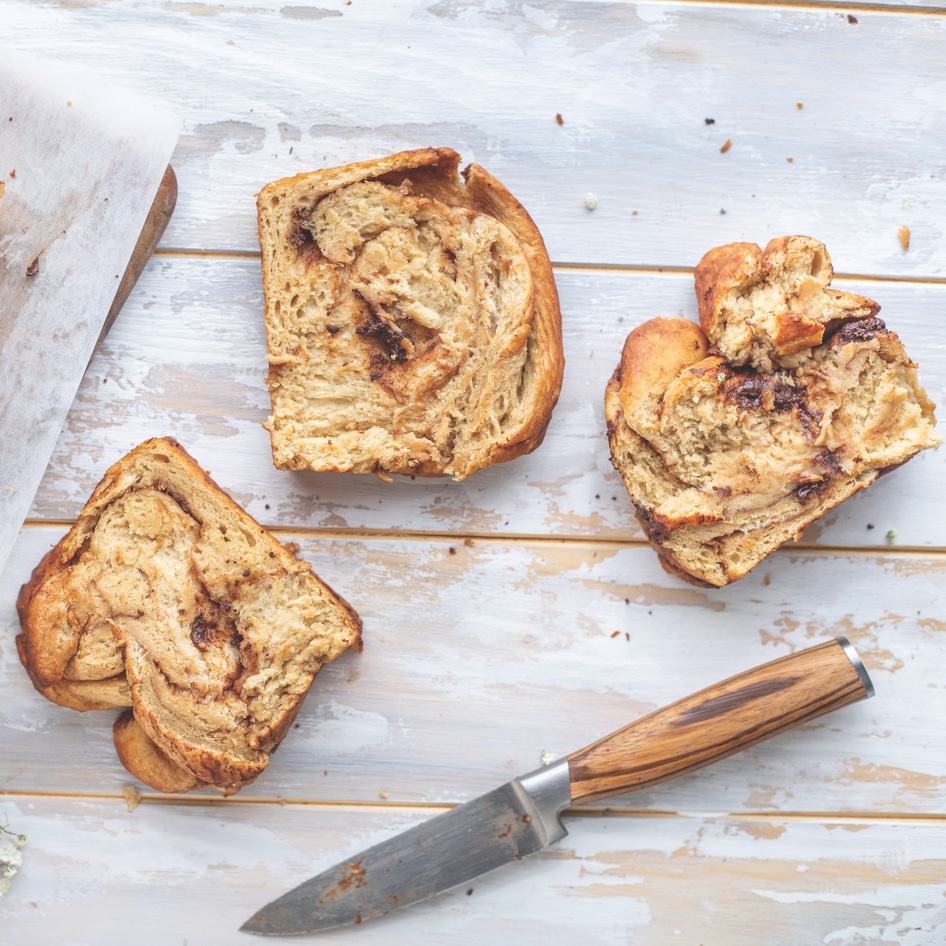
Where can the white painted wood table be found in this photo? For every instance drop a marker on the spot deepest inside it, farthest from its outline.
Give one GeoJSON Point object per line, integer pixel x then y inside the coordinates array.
{"type": "Point", "coordinates": [520, 612]}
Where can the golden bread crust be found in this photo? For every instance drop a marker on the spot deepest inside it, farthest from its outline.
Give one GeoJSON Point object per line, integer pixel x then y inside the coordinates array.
{"type": "Point", "coordinates": [732, 436]}
{"type": "Point", "coordinates": [412, 319]}
{"type": "Point", "coordinates": [762, 307]}
{"type": "Point", "coordinates": [145, 760]}
{"type": "Point", "coordinates": [166, 597]}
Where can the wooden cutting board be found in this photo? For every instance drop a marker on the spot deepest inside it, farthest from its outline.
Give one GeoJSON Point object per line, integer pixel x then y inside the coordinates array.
{"type": "Point", "coordinates": [155, 225]}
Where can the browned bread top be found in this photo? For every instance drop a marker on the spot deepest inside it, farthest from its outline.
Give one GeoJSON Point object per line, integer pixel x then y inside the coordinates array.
{"type": "Point", "coordinates": [412, 319]}
{"type": "Point", "coordinates": [730, 438]}
{"type": "Point", "coordinates": [768, 308]}
{"type": "Point", "coordinates": [166, 597]}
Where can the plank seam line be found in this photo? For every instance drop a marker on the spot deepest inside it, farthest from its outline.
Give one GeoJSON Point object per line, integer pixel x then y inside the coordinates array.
{"type": "Point", "coordinates": [565, 266]}
{"type": "Point", "coordinates": [433, 808]}
{"type": "Point", "coordinates": [471, 539]}
{"type": "Point", "coordinates": [656, 270]}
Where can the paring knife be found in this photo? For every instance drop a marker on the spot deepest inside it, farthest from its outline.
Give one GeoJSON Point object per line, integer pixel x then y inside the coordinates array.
{"type": "Point", "coordinates": [522, 817]}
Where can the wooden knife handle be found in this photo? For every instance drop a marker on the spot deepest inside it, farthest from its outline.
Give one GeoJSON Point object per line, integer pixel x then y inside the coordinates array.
{"type": "Point", "coordinates": [720, 720]}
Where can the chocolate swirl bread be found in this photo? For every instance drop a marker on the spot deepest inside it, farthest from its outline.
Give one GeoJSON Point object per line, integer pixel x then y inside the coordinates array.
{"type": "Point", "coordinates": [733, 435]}
{"type": "Point", "coordinates": [412, 319]}
{"type": "Point", "coordinates": [167, 598]}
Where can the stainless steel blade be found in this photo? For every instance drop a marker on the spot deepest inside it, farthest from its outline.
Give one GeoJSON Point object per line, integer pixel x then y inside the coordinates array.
{"type": "Point", "coordinates": [507, 824]}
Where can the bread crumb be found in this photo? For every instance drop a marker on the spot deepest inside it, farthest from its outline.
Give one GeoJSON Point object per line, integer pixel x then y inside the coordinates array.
{"type": "Point", "coordinates": [132, 797]}
{"type": "Point", "coordinates": [851, 18]}
{"type": "Point", "coordinates": [558, 118]}
{"type": "Point", "coordinates": [591, 201]}
{"type": "Point", "coordinates": [382, 794]}
{"type": "Point", "coordinates": [726, 146]}
{"type": "Point", "coordinates": [709, 121]}
{"type": "Point", "coordinates": [790, 160]}
{"type": "Point", "coordinates": [799, 105]}
{"type": "Point", "coordinates": [904, 234]}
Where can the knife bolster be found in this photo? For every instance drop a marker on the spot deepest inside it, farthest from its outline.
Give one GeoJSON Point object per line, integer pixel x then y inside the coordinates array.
{"type": "Point", "coordinates": [549, 793]}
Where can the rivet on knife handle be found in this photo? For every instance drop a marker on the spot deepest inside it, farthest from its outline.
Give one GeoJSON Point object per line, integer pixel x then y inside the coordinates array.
{"type": "Point", "coordinates": [720, 720]}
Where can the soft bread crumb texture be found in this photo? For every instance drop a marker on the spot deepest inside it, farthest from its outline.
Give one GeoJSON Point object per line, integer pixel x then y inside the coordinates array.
{"type": "Point", "coordinates": [733, 435]}
{"type": "Point", "coordinates": [167, 598]}
{"type": "Point", "coordinates": [412, 319]}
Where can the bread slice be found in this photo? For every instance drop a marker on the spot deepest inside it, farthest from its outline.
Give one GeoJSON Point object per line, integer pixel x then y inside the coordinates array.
{"type": "Point", "coordinates": [412, 319]}
{"type": "Point", "coordinates": [732, 436]}
{"type": "Point", "coordinates": [167, 598]}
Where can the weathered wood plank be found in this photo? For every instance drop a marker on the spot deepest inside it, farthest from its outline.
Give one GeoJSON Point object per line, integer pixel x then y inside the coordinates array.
{"type": "Point", "coordinates": [480, 657]}
{"type": "Point", "coordinates": [94, 872]}
{"type": "Point", "coordinates": [819, 144]}
{"type": "Point", "coordinates": [187, 358]}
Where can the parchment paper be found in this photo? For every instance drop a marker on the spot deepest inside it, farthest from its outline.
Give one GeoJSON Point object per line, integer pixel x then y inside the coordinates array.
{"type": "Point", "coordinates": [80, 165]}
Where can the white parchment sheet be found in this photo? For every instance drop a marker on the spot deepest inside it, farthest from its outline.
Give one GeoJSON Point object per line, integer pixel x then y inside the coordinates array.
{"type": "Point", "coordinates": [80, 166]}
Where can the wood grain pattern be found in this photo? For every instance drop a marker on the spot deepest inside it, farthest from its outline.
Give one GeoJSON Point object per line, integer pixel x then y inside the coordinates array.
{"type": "Point", "coordinates": [717, 722]}
{"type": "Point", "coordinates": [654, 880]}
{"type": "Point", "coordinates": [155, 224]}
{"type": "Point", "coordinates": [519, 615]}
{"type": "Point", "coordinates": [634, 84]}
{"type": "Point", "coordinates": [187, 357]}
{"type": "Point", "coordinates": [531, 646]}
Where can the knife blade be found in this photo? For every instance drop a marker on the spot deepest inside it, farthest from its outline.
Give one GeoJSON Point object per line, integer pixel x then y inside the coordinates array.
{"type": "Point", "coordinates": [523, 816]}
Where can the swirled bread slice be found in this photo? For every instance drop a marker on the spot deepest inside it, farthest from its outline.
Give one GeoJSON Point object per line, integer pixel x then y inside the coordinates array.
{"type": "Point", "coordinates": [730, 442]}
{"type": "Point", "coordinates": [167, 598]}
{"type": "Point", "coordinates": [412, 319]}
